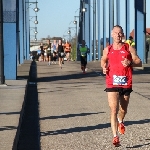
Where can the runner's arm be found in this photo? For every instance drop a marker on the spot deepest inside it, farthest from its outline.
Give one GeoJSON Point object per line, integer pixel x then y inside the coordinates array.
{"type": "Point", "coordinates": [104, 60]}
{"type": "Point", "coordinates": [46, 46]}
{"type": "Point", "coordinates": [136, 61]}
{"type": "Point", "coordinates": [52, 45]}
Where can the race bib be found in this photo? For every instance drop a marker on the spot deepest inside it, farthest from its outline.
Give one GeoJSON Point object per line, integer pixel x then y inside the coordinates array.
{"type": "Point", "coordinates": [83, 53]}
{"type": "Point", "coordinates": [48, 51]}
{"type": "Point", "coordinates": [62, 54]}
{"type": "Point", "coordinates": [119, 80]}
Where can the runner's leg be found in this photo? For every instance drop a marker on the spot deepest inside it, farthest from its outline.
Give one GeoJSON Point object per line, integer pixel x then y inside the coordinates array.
{"type": "Point", "coordinates": [124, 101]}
{"type": "Point", "coordinates": [113, 100]}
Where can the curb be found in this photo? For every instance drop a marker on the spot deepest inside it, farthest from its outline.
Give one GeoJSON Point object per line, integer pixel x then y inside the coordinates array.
{"type": "Point", "coordinates": [15, 143]}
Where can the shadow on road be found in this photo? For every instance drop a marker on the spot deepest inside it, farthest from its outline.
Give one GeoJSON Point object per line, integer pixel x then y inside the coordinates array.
{"type": "Point", "coordinates": [89, 128]}
{"type": "Point", "coordinates": [67, 77]}
{"type": "Point", "coordinates": [138, 146]}
{"type": "Point", "coordinates": [76, 129]}
{"type": "Point", "coordinates": [69, 116]}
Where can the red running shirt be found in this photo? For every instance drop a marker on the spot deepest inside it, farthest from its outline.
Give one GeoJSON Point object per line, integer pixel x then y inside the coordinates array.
{"type": "Point", "coordinates": [118, 75]}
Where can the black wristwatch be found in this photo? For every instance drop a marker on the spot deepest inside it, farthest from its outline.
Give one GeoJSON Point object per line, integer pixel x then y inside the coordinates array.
{"type": "Point", "coordinates": [131, 63]}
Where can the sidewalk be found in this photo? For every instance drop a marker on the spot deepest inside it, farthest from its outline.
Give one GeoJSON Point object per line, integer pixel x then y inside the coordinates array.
{"type": "Point", "coordinates": [11, 104]}
{"type": "Point", "coordinates": [68, 110]}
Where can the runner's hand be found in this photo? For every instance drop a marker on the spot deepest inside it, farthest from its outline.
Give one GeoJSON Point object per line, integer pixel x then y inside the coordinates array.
{"type": "Point", "coordinates": [105, 69]}
{"type": "Point", "coordinates": [126, 62]}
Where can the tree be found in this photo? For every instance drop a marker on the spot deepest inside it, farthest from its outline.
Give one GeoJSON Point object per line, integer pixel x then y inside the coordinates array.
{"type": "Point", "coordinates": [73, 45]}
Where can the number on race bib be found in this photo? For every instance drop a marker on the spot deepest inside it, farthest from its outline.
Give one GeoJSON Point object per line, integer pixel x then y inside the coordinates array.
{"type": "Point", "coordinates": [119, 80]}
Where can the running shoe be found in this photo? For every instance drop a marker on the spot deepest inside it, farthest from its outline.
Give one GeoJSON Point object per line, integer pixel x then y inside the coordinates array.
{"type": "Point", "coordinates": [121, 128]}
{"type": "Point", "coordinates": [49, 63]}
{"type": "Point", "coordinates": [116, 141]}
{"type": "Point", "coordinates": [86, 69]}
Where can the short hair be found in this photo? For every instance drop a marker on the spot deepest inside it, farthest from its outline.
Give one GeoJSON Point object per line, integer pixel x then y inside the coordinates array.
{"type": "Point", "coordinates": [118, 26]}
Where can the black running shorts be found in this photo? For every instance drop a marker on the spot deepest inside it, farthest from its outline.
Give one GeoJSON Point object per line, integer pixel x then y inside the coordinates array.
{"type": "Point", "coordinates": [122, 91]}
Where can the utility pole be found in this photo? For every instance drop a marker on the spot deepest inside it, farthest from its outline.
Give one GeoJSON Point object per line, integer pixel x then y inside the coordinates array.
{"type": "Point", "coordinates": [2, 78]}
{"type": "Point", "coordinates": [94, 30]}
{"type": "Point", "coordinates": [76, 42]}
{"type": "Point", "coordinates": [75, 22]}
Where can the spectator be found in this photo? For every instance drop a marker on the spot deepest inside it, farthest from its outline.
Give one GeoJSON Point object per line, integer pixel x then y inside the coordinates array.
{"type": "Point", "coordinates": [147, 50]}
{"type": "Point", "coordinates": [130, 41]}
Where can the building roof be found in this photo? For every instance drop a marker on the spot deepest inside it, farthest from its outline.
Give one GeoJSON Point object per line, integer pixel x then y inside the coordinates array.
{"type": "Point", "coordinates": [147, 32]}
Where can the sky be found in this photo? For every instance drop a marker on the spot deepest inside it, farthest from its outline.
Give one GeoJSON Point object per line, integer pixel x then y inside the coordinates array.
{"type": "Point", "coordinates": [55, 16]}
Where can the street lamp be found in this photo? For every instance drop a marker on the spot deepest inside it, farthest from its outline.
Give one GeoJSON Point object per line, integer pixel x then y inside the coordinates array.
{"type": "Point", "coordinates": [35, 31]}
{"type": "Point", "coordinates": [36, 22]}
{"type": "Point", "coordinates": [75, 22]}
{"type": "Point", "coordinates": [35, 38]}
{"type": "Point", "coordinates": [69, 32]}
{"type": "Point", "coordinates": [84, 9]}
{"type": "Point", "coordinates": [36, 9]}
{"type": "Point", "coordinates": [64, 37]}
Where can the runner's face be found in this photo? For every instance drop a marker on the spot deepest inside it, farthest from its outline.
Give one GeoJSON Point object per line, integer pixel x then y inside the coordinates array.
{"type": "Point", "coordinates": [83, 43]}
{"type": "Point", "coordinates": [59, 41]}
{"type": "Point", "coordinates": [117, 35]}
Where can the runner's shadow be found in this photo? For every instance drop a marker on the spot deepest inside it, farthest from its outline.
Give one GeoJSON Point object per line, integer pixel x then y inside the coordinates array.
{"type": "Point", "coordinates": [51, 91]}
{"type": "Point", "coordinates": [69, 115]}
{"type": "Point", "coordinates": [127, 123]}
{"type": "Point", "coordinates": [66, 77]}
{"type": "Point", "coordinates": [138, 146]}
{"type": "Point", "coordinates": [75, 129]}
{"type": "Point", "coordinates": [89, 128]}
{"type": "Point", "coordinates": [8, 128]}
{"type": "Point", "coordinates": [146, 71]}
{"type": "Point", "coordinates": [9, 113]}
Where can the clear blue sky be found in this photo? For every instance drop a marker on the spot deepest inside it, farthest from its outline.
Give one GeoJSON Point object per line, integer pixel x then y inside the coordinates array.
{"type": "Point", "coordinates": [55, 16]}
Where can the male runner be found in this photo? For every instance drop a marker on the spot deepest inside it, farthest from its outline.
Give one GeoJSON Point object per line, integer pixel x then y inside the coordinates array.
{"type": "Point", "coordinates": [117, 62]}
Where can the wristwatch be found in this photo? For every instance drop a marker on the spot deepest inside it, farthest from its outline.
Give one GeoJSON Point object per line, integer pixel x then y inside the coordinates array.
{"type": "Point", "coordinates": [131, 63]}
